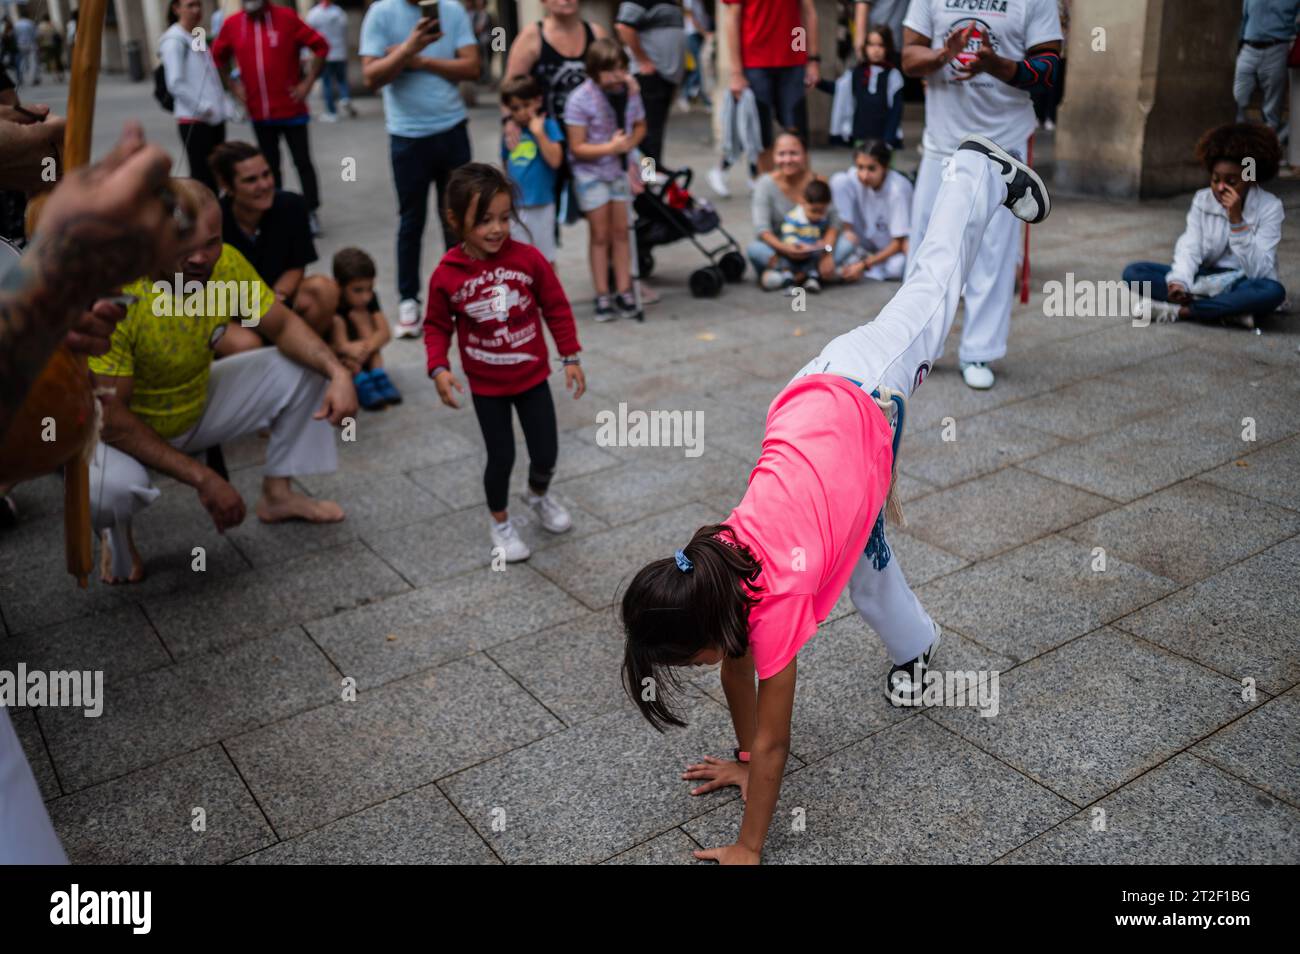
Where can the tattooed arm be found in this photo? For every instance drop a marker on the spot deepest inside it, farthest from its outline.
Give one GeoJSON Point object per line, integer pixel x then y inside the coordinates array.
{"type": "Point", "coordinates": [102, 226]}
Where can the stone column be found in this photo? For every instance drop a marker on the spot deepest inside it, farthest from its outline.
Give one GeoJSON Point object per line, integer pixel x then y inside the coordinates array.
{"type": "Point", "coordinates": [1145, 78]}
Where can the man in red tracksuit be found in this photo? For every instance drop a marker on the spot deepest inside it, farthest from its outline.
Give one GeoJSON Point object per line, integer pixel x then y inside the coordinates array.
{"type": "Point", "coordinates": [266, 41]}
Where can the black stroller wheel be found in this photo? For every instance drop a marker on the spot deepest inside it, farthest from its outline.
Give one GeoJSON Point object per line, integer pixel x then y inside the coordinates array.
{"type": "Point", "coordinates": [733, 266]}
{"type": "Point", "coordinates": [645, 263]}
{"type": "Point", "coordinates": [706, 282]}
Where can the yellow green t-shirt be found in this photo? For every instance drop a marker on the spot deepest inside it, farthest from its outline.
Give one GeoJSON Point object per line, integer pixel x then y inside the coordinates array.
{"type": "Point", "coordinates": [165, 342]}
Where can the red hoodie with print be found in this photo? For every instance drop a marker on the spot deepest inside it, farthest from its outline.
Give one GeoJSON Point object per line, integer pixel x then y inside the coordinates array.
{"type": "Point", "coordinates": [497, 306]}
{"type": "Point", "coordinates": [267, 46]}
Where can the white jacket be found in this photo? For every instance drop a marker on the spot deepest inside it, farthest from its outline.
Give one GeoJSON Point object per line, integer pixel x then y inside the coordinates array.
{"type": "Point", "coordinates": [740, 129]}
{"type": "Point", "coordinates": [1208, 241]}
{"type": "Point", "coordinates": [192, 79]}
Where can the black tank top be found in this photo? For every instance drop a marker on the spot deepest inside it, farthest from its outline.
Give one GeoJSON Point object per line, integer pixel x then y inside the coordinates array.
{"type": "Point", "coordinates": [560, 75]}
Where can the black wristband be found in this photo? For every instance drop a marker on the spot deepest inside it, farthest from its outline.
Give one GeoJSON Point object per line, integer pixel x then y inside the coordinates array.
{"type": "Point", "coordinates": [814, 58]}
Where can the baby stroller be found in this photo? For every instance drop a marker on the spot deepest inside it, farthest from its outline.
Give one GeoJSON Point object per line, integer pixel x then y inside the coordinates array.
{"type": "Point", "coordinates": [667, 212]}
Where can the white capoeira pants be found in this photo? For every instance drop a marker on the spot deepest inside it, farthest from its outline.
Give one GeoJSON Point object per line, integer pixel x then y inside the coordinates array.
{"type": "Point", "coordinates": [246, 392]}
{"type": "Point", "coordinates": [897, 350]}
{"type": "Point", "coordinates": [990, 285]}
{"type": "Point", "coordinates": [26, 835]}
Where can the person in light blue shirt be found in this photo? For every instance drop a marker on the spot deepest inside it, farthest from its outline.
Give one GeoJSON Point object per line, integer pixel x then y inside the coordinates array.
{"type": "Point", "coordinates": [1268, 28]}
{"type": "Point", "coordinates": [417, 62]}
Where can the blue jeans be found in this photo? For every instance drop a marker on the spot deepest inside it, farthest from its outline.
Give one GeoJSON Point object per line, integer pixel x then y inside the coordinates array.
{"type": "Point", "coordinates": [417, 164]}
{"type": "Point", "coordinates": [693, 84]}
{"type": "Point", "coordinates": [335, 77]}
{"type": "Point", "coordinates": [760, 253]}
{"type": "Point", "coordinates": [1251, 296]}
{"type": "Point", "coordinates": [779, 93]}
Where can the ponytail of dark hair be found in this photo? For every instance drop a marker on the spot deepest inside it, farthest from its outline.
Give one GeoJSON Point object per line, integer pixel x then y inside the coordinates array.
{"type": "Point", "coordinates": [669, 615]}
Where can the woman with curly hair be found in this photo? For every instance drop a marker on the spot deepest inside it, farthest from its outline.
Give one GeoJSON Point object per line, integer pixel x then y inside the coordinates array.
{"type": "Point", "coordinates": [1225, 262]}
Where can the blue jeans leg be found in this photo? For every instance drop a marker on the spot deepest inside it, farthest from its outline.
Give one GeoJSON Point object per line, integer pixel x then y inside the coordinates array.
{"type": "Point", "coordinates": [1252, 296]}
{"type": "Point", "coordinates": [1152, 272]}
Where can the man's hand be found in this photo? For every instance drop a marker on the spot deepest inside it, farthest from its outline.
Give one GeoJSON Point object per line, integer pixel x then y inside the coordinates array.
{"type": "Point", "coordinates": [645, 67]}
{"type": "Point", "coordinates": [445, 383]}
{"type": "Point", "coordinates": [730, 855]}
{"type": "Point", "coordinates": [421, 35]}
{"type": "Point", "coordinates": [221, 501]}
{"type": "Point", "coordinates": [354, 353]}
{"type": "Point", "coordinates": [340, 400]}
{"type": "Point", "coordinates": [29, 149]}
{"type": "Point", "coordinates": [719, 773]}
{"type": "Point", "coordinates": [301, 91]}
{"type": "Point", "coordinates": [114, 208]}
{"type": "Point", "coordinates": [799, 252]}
{"type": "Point", "coordinates": [237, 90]}
{"type": "Point", "coordinates": [738, 83]}
{"type": "Point", "coordinates": [94, 329]}
{"type": "Point", "coordinates": [952, 46]}
{"type": "Point", "coordinates": [984, 61]}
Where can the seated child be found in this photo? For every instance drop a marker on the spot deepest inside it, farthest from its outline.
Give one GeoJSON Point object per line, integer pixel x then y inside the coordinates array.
{"type": "Point", "coordinates": [812, 224]}
{"type": "Point", "coordinates": [531, 165]}
{"type": "Point", "coordinates": [360, 330]}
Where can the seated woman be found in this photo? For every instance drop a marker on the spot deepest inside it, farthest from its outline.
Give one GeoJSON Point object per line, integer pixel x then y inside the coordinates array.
{"type": "Point", "coordinates": [1225, 262]}
{"type": "Point", "coordinates": [271, 228]}
{"type": "Point", "coordinates": [775, 196]}
{"type": "Point", "coordinates": [875, 204]}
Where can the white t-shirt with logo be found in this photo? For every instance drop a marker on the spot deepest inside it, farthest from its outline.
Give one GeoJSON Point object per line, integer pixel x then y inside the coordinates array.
{"type": "Point", "coordinates": [983, 105]}
{"type": "Point", "coordinates": [877, 217]}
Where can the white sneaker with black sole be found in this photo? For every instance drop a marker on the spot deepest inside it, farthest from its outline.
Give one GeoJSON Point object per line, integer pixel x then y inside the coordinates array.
{"type": "Point", "coordinates": [549, 511]}
{"type": "Point", "coordinates": [506, 541]}
{"type": "Point", "coordinates": [408, 319]}
{"type": "Point", "coordinates": [1027, 197]}
{"type": "Point", "coordinates": [905, 682]}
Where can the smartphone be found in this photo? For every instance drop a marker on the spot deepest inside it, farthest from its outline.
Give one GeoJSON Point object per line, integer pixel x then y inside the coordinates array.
{"type": "Point", "coordinates": [429, 11]}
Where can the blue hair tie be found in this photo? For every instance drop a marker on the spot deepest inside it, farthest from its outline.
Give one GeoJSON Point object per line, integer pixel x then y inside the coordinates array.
{"type": "Point", "coordinates": [684, 562]}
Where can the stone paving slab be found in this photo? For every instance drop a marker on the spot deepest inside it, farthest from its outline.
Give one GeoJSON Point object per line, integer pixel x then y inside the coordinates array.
{"type": "Point", "coordinates": [119, 643]}
{"type": "Point", "coordinates": [1262, 747]}
{"type": "Point", "coordinates": [332, 761]}
{"type": "Point", "coordinates": [38, 756]}
{"type": "Point", "coordinates": [671, 848]}
{"type": "Point", "coordinates": [863, 805]}
{"type": "Point", "coordinates": [1124, 705]}
{"type": "Point", "coordinates": [148, 817]}
{"type": "Point", "coordinates": [418, 828]}
{"type": "Point", "coordinates": [1268, 474]}
{"type": "Point", "coordinates": [1047, 594]}
{"type": "Point", "coordinates": [1184, 812]}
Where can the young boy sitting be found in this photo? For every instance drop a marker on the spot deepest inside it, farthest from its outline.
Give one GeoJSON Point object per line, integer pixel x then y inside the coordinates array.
{"type": "Point", "coordinates": [360, 330]}
{"type": "Point", "coordinates": [532, 163]}
{"type": "Point", "coordinates": [812, 224]}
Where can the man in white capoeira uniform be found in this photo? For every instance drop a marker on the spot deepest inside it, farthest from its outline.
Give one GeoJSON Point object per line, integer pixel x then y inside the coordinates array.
{"type": "Point", "coordinates": [890, 356]}
{"type": "Point", "coordinates": [980, 59]}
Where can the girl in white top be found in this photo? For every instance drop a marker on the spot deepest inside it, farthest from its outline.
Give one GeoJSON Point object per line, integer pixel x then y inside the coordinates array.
{"type": "Point", "coordinates": [200, 104]}
{"type": "Point", "coordinates": [875, 203]}
{"type": "Point", "coordinates": [1225, 262]}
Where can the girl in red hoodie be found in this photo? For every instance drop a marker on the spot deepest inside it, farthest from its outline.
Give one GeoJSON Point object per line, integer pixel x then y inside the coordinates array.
{"type": "Point", "coordinates": [496, 292]}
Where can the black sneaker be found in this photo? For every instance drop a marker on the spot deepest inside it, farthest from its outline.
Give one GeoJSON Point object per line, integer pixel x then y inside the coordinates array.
{"type": "Point", "coordinates": [605, 308]}
{"type": "Point", "coordinates": [905, 682]}
{"type": "Point", "coordinates": [1026, 195]}
{"type": "Point", "coordinates": [627, 304]}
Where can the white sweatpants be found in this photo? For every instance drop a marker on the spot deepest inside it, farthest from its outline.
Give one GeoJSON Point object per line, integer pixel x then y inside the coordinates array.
{"type": "Point", "coordinates": [896, 351]}
{"type": "Point", "coordinates": [26, 835]}
{"type": "Point", "coordinates": [246, 392]}
{"type": "Point", "coordinates": [990, 285]}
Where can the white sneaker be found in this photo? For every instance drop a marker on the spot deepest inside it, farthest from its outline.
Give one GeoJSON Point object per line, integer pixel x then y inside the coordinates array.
{"type": "Point", "coordinates": [718, 182]}
{"type": "Point", "coordinates": [505, 539]}
{"type": "Point", "coordinates": [329, 117]}
{"type": "Point", "coordinates": [905, 683]}
{"type": "Point", "coordinates": [347, 104]}
{"type": "Point", "coordinates": [549, 511]}
{"type": "Point", "coordinates": [977, 375]}
{"type": "Point", "coordinates": [1156, 312]}
{"type": "Point", "coordinates": [772, 280]}
{"type": "Point", "coordinates": [408, 319]}
{"type": "Point", "coordinates": [1049, 125]}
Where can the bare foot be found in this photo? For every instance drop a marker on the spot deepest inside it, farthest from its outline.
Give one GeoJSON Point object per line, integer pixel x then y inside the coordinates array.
{"type": "Point", "coordinates": [106, 561]}
{"type": "Point", "coordinates": [296, 506]}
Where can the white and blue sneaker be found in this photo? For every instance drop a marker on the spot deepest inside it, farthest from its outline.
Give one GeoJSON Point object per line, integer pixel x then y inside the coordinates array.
{"type": "Point", "coordinates": [906, 681]}
{"type": "Point", "coordinates": [1027, 197]}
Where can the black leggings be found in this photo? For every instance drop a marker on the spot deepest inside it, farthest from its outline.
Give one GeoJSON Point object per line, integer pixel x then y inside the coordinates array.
{"type": "Point", "coordinates": [268, 140]}
{"type": "Point", "coordinates": [199, 140]}
{"type": "Point", "coordinates": [537, 418]}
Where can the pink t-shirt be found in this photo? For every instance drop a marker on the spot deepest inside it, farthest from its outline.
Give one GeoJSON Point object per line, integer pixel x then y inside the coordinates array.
{"type": "Point", "coordinates": [812, 500]}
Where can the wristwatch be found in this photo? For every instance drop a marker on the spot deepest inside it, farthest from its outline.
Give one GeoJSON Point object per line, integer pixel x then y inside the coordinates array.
{"type": "Point", "coordinates": [828, 249]}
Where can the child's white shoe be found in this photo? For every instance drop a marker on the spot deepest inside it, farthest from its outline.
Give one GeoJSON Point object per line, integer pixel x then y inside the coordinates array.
{"type": "Point", "coordinates": [718, 182]}
{"type": "Point", "coordinates": [549, 511]}
{"type": "Point", "coordinates": [506, 540]}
